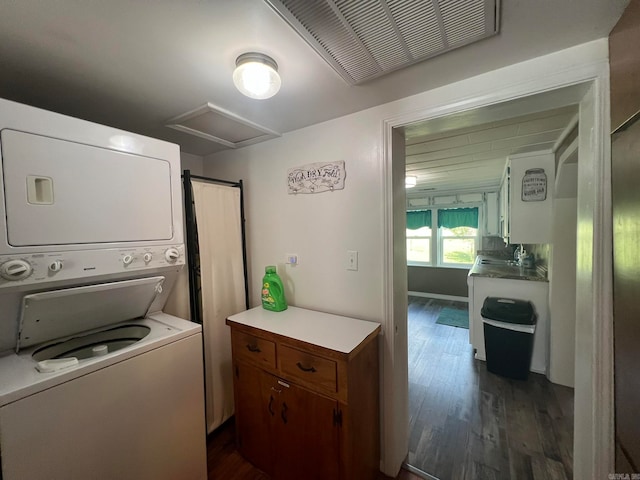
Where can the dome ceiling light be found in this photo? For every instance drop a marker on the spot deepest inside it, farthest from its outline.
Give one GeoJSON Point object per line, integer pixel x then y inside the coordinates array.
{"type": "Point", "coordinates": [410, 181]}
{"type": "Point", "coordinates": [256, 75]}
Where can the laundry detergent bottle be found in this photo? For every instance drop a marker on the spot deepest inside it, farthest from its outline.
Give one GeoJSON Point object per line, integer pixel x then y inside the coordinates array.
{"type": "Point", "coordinates": [272, 291]}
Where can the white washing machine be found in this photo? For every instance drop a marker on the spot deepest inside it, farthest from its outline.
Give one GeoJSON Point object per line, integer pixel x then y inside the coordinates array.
{"type": "Point", "coordinates": [121, 400]}
{"type": "Point", "coordinates": [95, 381]}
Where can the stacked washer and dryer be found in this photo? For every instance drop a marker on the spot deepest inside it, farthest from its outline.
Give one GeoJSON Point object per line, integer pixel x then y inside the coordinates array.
{"type": "Point", "coordinates": [95, 381]}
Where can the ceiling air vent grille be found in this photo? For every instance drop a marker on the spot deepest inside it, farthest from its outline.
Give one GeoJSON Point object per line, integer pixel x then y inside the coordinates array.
{"type": "Point", "coordinates": [365, 39]}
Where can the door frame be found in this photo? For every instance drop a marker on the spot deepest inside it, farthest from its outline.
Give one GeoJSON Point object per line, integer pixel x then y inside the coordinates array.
{"type": "Point", "coordinates": [593, 442]}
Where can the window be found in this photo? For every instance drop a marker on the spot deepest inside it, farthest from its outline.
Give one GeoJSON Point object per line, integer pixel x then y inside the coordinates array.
{"type": "Point", "coordinates": [456, 239]}
{"type": "Point", "coordinates": [419, 244]}
{"type": "Point", "coordinates": [458, 245]}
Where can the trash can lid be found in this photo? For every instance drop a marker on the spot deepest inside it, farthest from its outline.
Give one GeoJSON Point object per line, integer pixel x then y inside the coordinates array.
{"type": "Point", "coordinates": [508, 310]}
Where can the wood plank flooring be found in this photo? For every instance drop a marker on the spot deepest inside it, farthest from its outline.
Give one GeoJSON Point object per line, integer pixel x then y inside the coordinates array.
{"type": "Point", "coordinates": [469, 424]}
{"type": "Point", "coordinates": [225, 463]}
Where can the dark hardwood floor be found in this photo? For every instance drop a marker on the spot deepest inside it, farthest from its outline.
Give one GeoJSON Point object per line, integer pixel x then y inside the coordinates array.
{"type": "Point", "coordinates": [469, 424]}
{"type": "Point", "coordinates": [225, 463]}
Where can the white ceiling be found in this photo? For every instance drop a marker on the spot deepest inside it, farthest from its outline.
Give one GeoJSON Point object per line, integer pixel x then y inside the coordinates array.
{"type": "Point", "coordinates": [136, 64]}
{"type": "Point", "coordinates": [467, 152]}
{"type": "Point", "coordinates": [474, 158]}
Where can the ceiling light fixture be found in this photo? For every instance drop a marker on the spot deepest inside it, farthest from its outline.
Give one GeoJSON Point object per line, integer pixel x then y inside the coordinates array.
{"type": "Point", "coordinates": [256, 75]}
{"type": "Point", "coordinates": [410, 181]}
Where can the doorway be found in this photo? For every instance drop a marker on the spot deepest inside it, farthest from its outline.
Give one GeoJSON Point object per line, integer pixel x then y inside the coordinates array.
{"type": "Point", "coordinates": [593, 431]}
{"type": "Point", "coordinates": [465, 422]}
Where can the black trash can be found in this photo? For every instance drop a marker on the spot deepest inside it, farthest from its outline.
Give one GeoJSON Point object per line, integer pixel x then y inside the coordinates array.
{"type": "Point", "coordinates": [509, 326]}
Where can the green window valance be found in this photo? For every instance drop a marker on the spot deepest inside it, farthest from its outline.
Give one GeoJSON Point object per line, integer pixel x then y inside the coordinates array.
{"type": "Point", "coordinates": [458, 217]}
{"type": "Point", "coordinates": [418, 218]}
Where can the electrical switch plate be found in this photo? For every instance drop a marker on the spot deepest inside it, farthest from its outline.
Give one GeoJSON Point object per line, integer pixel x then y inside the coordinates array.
{"type": "Point", "coordinates": [292, 259]}
{"type": "Point", "coordinates": [352, 260]}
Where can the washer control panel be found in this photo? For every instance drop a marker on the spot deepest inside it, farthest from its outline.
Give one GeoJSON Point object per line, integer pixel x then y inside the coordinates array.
{"type": "Point", "coordinates": [17, 269]}
{"type": "Point", "coordinates": [31, 269]}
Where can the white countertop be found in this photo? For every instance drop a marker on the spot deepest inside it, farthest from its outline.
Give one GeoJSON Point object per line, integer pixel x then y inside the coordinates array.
{"type": "Point", "coordinates": [335, 332]}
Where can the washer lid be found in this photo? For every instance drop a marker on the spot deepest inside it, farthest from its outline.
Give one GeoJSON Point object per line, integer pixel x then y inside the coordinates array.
{"type": "Point", "coordinates": [59, 313]}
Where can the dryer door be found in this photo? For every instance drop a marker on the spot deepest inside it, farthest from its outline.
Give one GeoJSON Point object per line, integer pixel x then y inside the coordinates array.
{"type": "Point", "coordinates": [59, 192]}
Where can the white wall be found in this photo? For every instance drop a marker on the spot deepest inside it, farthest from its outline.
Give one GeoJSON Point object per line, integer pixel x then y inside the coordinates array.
{"type": "Point", "coordinates": [320, 228]}
{"type": "Point", "coordinates": [191, 162]}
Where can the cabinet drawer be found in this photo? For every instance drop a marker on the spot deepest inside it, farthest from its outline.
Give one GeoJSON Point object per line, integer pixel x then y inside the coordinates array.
{"type": "Point", "coordinates": [256, 350]}
{"type": "Point", "coordinates": [308, 367]}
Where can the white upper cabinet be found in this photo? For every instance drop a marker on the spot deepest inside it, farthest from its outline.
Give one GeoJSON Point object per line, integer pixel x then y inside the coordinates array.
{"type": "Point", "coordinates": [527, 195]}
{"type": "Point", "coordinates": [492, 216]}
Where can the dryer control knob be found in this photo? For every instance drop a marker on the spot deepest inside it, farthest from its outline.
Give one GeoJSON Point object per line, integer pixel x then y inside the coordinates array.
{"type": "Point", "coordinates": [127, 259]}
{"type": "Point", "coordinates": [172, 254]}
{"type": "Point", "coordinates": [55, 266]}
{"type": "Point", "coordinates": [147, 257]}
{"type": "Point", "coordinates": [15, 270]}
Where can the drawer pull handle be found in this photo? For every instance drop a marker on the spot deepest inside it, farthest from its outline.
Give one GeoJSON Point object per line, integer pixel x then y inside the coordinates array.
{"type": "Point", "coordinates": [271, 411]}
{"type": "Point", "coordinates": [253, 348]}
{"type": "Point", "coordinates": [306, 369]}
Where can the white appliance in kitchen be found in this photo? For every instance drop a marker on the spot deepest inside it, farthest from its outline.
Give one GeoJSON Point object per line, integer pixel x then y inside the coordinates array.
{"type": "Point", "coordinates": [95, 381]}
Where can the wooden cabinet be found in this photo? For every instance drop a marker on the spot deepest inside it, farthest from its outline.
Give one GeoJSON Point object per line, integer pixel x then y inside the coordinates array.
{"type": "Point", "coordinates": [268, 408]}
{"type": "Point", "coordinates": [306, 426]}
{"type": "Point", "coordinates": [306, 393]}
{"type": "Point", "coordinates": [249, 396]}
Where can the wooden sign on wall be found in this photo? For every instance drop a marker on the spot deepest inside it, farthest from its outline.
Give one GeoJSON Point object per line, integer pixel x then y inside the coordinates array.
{"type": "Point", "coordinates": [316, 177]}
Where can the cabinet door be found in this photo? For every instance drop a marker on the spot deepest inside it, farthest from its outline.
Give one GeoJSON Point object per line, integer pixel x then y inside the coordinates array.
{"type": "Point", "coordinates": [253, 405]}
{"type": "Point", "coordinates": [306, 429]}
{"type": "Point", "coordinates": [504, 209]}
{"type": "Point", "coordinates": [492, 214]}
{"type": "Point", "coordinates": [530, 215]}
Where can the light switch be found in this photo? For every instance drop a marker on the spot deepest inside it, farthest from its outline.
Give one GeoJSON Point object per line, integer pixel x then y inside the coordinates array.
{"type": "Point", "coordinates": [352, 260]}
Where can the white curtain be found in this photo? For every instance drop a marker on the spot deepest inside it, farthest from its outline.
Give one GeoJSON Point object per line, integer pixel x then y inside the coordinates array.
{"type": "Point", "coordinates": [222, 280]}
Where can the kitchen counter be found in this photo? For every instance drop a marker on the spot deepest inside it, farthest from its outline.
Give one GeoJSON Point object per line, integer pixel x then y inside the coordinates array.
{"type": "Point", "coordinates": [494, 277]}
{"type": "Point", "coordinates": [491, 267]}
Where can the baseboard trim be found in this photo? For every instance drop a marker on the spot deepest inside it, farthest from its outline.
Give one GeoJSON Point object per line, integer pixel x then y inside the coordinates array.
{"type": "Point", "coordinates": [439, 297]}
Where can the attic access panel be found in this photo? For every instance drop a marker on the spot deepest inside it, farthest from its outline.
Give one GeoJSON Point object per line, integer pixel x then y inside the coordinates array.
{"type": "Point", "coordinates": [366, 39]}
{"type": "Point", "coordinates": [221, 126]}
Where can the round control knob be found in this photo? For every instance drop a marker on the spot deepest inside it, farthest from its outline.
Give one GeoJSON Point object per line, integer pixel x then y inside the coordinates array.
{"type": "Point", "coordinates": [172, 254]}
{"type": "Point", "coordinates": [147, 257]}
{"type": "Point", "coordinates": [15, 270]}
{"type": "Point", "coordinates": [127, 259]}
{"type": "Point", "coordinates": [55, 266]}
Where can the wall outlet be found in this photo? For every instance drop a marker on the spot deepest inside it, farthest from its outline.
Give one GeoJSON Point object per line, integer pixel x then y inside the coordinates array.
{"type": "Point", "coordinates": [352, 260]}
{"type": "Point", "coordinates": [292, 259]}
